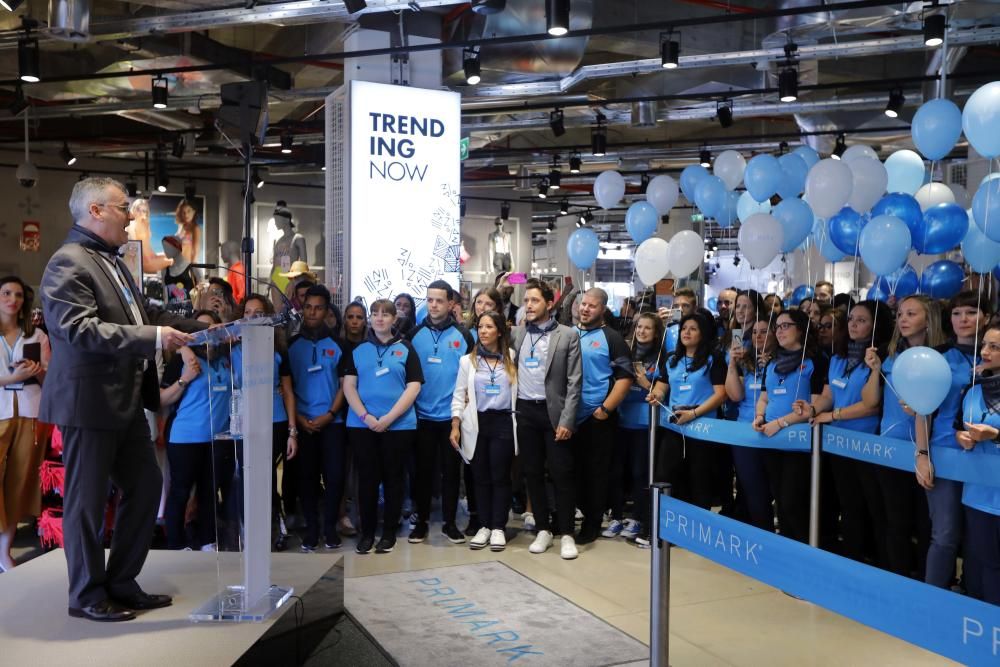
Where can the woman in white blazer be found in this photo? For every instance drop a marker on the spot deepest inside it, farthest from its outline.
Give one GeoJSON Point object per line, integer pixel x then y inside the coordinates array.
{"type": "Point", "coordinates": [483, 425]}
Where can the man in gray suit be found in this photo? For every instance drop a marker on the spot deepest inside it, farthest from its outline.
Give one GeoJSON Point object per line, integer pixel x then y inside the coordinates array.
{"type": "Point", "coordinates": [101, 376]}
{"type": "Point", "coordinates": [549, 376]}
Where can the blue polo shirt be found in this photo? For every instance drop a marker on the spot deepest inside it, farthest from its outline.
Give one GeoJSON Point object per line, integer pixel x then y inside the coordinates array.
{"type": "Point", "coordinates": [315, 359]}
{"type": "Point", "coordinates": [895, 422]}
{"type": "Point", "coordinates": [633, 412]}
{"type": "Point", "coordinates": [753, 385]}
{"type": "Point", "coordinates": [807, 379]}
{"type": "Point", "coordinates": [281, 369]}
{"type": "Point", "coordinates": [383, 371]}
{"type": "Point", "coordinates": [846, 389]}
{"type": "Point", "coordinates": [605, 359]}
{"type": "Point", "coordinates": [690, 385]}
{"type": "Point", "coordinates": [439, 349]}
{"type": "Point", "coordinates": [208, 394]}
{"type": "Point", "coordinates": [942, 426]}
{"type": "Point", "coordinates": [980, 496]}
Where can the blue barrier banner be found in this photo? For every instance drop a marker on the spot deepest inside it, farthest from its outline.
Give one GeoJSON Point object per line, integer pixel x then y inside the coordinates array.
{"type": "Point", "coordinates": [977, 465]}
{"type": "Point", "coordinates": [957, 627]}
{"type": "Point", "coordinates": [796, 438]}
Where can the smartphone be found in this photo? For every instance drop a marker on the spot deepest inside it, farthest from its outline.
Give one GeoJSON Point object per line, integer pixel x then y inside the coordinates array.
{"type": "Point", "coordinates": [737, 336]}
{"type": "Point", "coordinates": [517, 278]}
{"type": "Point", "coordinates": [32, 352]}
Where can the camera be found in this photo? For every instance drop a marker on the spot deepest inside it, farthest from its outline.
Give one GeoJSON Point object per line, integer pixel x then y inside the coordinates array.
{"type": "Point", "coordinates": [27, 175]}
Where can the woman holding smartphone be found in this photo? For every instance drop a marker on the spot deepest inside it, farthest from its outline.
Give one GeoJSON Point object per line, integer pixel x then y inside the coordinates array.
{"type": "Point", "coordinates": [22, 371]}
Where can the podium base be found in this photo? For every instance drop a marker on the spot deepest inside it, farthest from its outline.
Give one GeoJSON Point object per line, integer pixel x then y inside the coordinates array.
{"type": "Point", "coordinates": [230, 606]}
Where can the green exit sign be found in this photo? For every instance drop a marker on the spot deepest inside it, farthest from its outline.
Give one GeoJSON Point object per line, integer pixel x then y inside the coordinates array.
{"type": "Point", "coordinates": [697, 217]}
{"type": "Point", "coordinates": [463, 148]}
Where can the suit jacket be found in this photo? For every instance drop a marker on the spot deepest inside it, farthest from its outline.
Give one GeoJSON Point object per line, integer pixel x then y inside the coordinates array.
{"type": "Point", "coordinates": [563, 374]}
{"type": "Point", "coordinates": [98, 377]}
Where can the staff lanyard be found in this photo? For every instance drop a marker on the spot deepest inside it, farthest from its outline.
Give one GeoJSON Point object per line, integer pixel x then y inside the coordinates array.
{"type": "Point", "coordinates": [492, 369]}
{"type": "Point", "coordinates": [10, 350]}
{"type": "Point", "coordinates": [534, 341]}
{"type": "Point", "coordinates": [381, 354]}
{"type": "Point", "coordinates": [435, 338]}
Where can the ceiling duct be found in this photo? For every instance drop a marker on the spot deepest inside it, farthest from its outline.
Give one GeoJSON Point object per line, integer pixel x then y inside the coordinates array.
{"type": "Point", "coordinates": [644, 114]}
{"type": "Point", "coordinates": [69, 20]}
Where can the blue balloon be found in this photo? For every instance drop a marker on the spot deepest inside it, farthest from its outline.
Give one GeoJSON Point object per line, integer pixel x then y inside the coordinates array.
{"type": "Point", "coordinates": [876, 293]}
{"type": "Point", "coordinates": [794, 171]}
{"type": "Point", "coordinates": [641, 220]}
{"type": "Point", "coordinates": [690, 177]}
{"type": "Point", "coordinates": [903, 206]}
{"type": "Point", "coordinates": [844, 229]}
{"type": "Point", "coordinates": [942, 228]}
{"type": "Point", "coordinates": [583, 247]}
{"type": "Point", "coordinates": [980, 253]}
{"type": "Point", "coordinates": [808, 155]}
{"type": "Point", "coordinates": [906, 172]}
{"type": "Point", "coordinates": [980, 118]}
{"type": "Point", "coordinates": [670, 338]}
{"type": "Point", "coordinates": [921, 377]}
{"type": "Point", "coordinates": [900, 284]}
{"type": "Point", "coordinates": [728, 213]}
{"type": "Point", "coordinates": [986, 209]}
{"type": "Point", "coordinates": [710, 195]}
{"type": "Point", "coordinates": [802, 292]}
{"type": "Point", "coordinates": [713, 304]}
{"type": "Point", "coordinates": [941, 280]}
{"type": "Point", "coordinates": [796, 218]}
{"type": "Point", "coordinates": [884, 244]}
{"type": "Point", "coordinates": [936, 127]}
{"type": "Point", "coordinates": [762, 176]}
{"type": "Point", "coordinates": [749, 206]}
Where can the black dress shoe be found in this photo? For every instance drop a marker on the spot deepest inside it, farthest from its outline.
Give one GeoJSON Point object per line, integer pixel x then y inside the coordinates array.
{"type": "Point", "coordinates": [141, 601]}
{"type": "Point", "coordinates": [586, 535]}
{"type": "Point", "coordinates": [104, 611]}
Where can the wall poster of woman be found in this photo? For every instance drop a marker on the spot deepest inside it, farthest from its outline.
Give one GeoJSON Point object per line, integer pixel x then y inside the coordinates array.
{"type": "Point", "coordinates": [172, 214]}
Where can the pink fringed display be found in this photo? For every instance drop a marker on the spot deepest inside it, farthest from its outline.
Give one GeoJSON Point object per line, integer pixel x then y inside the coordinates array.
{"type": "Point", "coordinates": [50, 528]}
{"type": "Point", "coordinates": [56, 445]}
{"type": "Point", "coordinates": [52, 475]}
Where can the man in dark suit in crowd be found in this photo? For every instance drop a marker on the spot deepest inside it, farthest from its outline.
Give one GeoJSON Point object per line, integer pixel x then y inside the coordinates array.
{"type": "Point", "coordinates": [101, 376]}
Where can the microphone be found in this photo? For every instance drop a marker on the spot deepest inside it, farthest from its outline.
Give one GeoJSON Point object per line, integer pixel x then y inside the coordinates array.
{"type": "Point", "coordinates": [289, 308]}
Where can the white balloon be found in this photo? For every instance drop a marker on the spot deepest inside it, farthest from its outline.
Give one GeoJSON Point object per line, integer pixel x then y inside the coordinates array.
{"type": "Point", "coordinates": [609, 188]}
{"type": "Point", "coordinates": [685, 254]}
{"type": "Point", "coordinates": [729, 166]}
{"type": "Point", "coordinates": [962, 196]}
{"type": "Point", "coordinates": [651, 260]}
{"type": "Point", "coordinates": [870, 180]}
{"type": "Point", "coordinates": [828, 186]}
{"type": "Point", "coordinates": [760, 239]}
{"type": "Point", "coordinates": [859, 150]}
{"type": "Point", "coordinates": [662, 193]}
{"type": "Point", "coordinates": [933, 194]}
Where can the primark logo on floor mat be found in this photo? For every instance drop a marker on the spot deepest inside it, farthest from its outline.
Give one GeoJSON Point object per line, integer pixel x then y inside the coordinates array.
{"type": "Point", "coordinates": [481, 624]}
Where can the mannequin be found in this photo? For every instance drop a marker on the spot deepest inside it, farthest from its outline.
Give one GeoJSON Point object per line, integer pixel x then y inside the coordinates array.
{"type": "Point", "coordinates": [179, 278]}
{"type": "Point", "coordinates": [152, 262]}
{"type": "Point", "coordinates": [288, 247]}
{"type": "Point", "coordinates": [230, 251]}
{"type": "Point", "coordinates": [500, 248]}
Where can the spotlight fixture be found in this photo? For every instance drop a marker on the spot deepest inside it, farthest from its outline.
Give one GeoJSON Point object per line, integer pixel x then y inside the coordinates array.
{"type": "Point", "coordinates": [839, 147]}
{"type": "Point", "coordinates": [160, 92]}
{"type": "Point", "coordinates": [67, 155]}
{"type": "Point", "coordinates": [579, 222]}
{"type": "Point", "coordinates": [599, 137]}
{"type": "Point", "coordinates": [286, 142]}
{"type": "Point", "coordinates": [504, 210]}
{"type": "Point", "coordinates": [896, 101]}
{"type": "Point", "coordinates": [705, 158]}
{"type": "Point", "coordinates": [665, 219]}
{"type": "Point", "coordinates": [257, 179]}
{"type": "Point", "coordinates": [131, 187]}
{"type": "Point", "coordinates": [588, 217]}
{"type": "Point", "coordinates": [27, 60]}
{"type": "Point", "coordinates": [190, 191]}
{"type": "Point", "coordinates": [543, 188]}
{"type": "Point", "coordinates": [557, 17]}
{"type": "Point", "coordinates": [551, 227]}
{"type": "Point", "coordinates": [470, 65]}
{"type": "Point", "coordinates": [725, 114]}
{"type": "Point", "coordinates": [11, 5]}
{"type": "Point", "coordinates": [934, 27]}
{"type": "Point", "coordinates": [643, 182]}
{"type": "Point", "coordinates": [162, 175]}
{"type": "Point", "coordinates": [555, 178]}
{"type": "Point", "coordinates": [556, 122]}
{"type": "Point", "coordinates": [355, 6]}
{"type": "Point", "coordinates": [564, 207]}
{"type": "Point", "coordinates": [782, 148]}
{"type": "Point", "coordinates": [575, 162]}
{"type": "Point", "coordinates": [178, 146]}
{"type": "Point", "coordinates": [19, 103]}
{"type": "Point", "coordinates": [788, 84]}
{"type": "Point", "coordinates": [670, 51]}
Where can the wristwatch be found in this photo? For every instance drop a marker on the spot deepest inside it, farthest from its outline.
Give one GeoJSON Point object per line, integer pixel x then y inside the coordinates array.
{"type": "Point", "coordinates": [182, 383]}
{"type": "Point", "coordinates": [782, 423]}
{"type": "Point", "coordinates": [293, 432]}
{"type": "Point", "coordinates": [604, 410]}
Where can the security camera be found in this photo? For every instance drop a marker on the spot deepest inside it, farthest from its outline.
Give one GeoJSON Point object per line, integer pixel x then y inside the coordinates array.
{"type": "Point", "coordinates": [27, 175]}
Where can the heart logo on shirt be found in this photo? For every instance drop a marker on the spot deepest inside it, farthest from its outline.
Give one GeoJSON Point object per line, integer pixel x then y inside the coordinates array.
{"type": "Point", "coordinates": [397, 353]}
{"type": "Point", "coordinates": [596, 343]}
{"type": "Point", "coordinates": [329, 353]}
{"type": "Point", "coordinates": [455, 344]}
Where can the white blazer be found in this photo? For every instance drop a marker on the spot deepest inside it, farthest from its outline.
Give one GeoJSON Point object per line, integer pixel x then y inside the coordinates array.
{"type": "Point", "coordinates": [463, 405]}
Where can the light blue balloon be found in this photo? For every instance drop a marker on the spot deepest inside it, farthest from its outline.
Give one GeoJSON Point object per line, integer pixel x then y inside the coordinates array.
{"type": "Point", "coordinates": [981, 118]}
{"type": "Point", "coordinates": [690, 177]}
{"type": "Point", "coordinates": [900, 284]}
{"type": "Point", "coordinates": [796, 218]}
{"type": "Point", "coordinates": [936, 127]}
{"type": "Point", "coordinates": [748, 206]}
{"type": "Point", "coordinates": [670, 339]}
{"type": "Point", "coordinates": [583, 247]}
{"type": "Point", "coordinates": [921, 377]}
{"type": "Point", "coordinates": [641, 220]}
{"type": "Point", "coordinates": [986, 208]}
{"type": "Point", "coordinates": [713, 304]}
{"type": "Point", "coordinates": [729, 211]}
{"type": "Point", "coordinates": [906, 172]}
{"type": "Point", "coordinates": [808, 155]}
{"type": "Point", "coordinates": [710, 195]}
{"type": "Point", "coordinates": [825, 244]}
{"type": "Point", "coordinates": [942, 280]}
{"type": "Point", "coordinates": [884, 244]}
{"type": "Point", "coordinates": [762, 176]}
{"type": "Point", "coordinates": [981, 253]}
{"type": "Point", "coordinates": [794, 171]}
{"type": "Point", "coordinates": [990, 177]}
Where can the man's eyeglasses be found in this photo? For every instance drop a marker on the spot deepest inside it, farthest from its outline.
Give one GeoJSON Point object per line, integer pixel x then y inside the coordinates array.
{"type": "Point", "coordinates": [121, 207]}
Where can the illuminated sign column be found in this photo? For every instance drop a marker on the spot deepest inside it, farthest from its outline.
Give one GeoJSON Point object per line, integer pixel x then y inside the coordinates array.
{"type": "Point", "coordinates": [403, 188]}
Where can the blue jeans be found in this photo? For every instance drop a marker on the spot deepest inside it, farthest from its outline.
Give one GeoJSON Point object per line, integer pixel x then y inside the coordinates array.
{"type": "Point", "coordinates": [945, 504]}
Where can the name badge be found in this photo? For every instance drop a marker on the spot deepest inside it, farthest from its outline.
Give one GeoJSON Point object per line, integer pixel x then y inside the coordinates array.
{"type": "Point", "coordinates": [314, 369]}
{"type": "Point", "coordinates": [14, 386]}
{"type": "Point", "coordinates": [684, 387]}
{"type": "Point", "coordinates": [755, 386]}
{"type": "Point", "coordinates": [839, 384]}
{"type": "Point", "coordinates": [531, 362]}
{"type": "Point", "coordinates": [491, 390]}
{"type": "Point", "coordinates": [434, 360]}
{"type": "Point", "coordinates": [780, 391]}
{"type": "Point", "coordinates": [220, 387]}
{"type": "Point", "coordinates": [380, 372]}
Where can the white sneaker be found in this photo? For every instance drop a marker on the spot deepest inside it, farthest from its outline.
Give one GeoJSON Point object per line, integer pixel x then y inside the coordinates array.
{"type": "Point", "coordinates": [346, 527]}
{"type": "Point", "coordinates": [498, 540]}
{"type": "Point", "coordinates": [481, 539]}
{"type": "Point", "coordinates": [529, 521]}
{"type": "Point", "coordinates": [631, 529]}
{"type": "Point", "coordinates": [208, 547]}
{"type": "Point", "coordinates": [578, 517]}
{"type": "Point", "coordinates": [568, 548]}
{"type": "Point", "coordinates": [542, 542]}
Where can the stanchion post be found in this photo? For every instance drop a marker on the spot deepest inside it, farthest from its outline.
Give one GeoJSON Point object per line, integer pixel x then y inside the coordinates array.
{"type": "Point", "coordinates": [654, 419]}
{"type": "Point", "coordinates": [659, 587]}
{"type": "Point", "coordinates": [814, 485]}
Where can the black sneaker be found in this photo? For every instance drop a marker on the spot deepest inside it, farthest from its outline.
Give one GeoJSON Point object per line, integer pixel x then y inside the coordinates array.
{"type": "Point", "coordinates": [586, 535]}
{"type": "Point", "coordinates": [385, 545]}
{"type": "Point", "coordinates": [418, 534]}
{"type": "Point", "coordinates": [308, 548]}
{"type": "Point", "coordinates": [365, 545]}
{"type": "Point", "coordinates": [473, 527]}
{"type": "Point", "coordinates": [453, 534]}
{"type": "Point", "coordinates": [517, 504]}
{"type": "Point", "coordinates": [281, 543]}
{"type": "Point", "coordinates": [333, 541]}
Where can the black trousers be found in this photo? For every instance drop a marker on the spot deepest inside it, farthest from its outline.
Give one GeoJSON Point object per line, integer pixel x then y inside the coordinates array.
{"type": "Point", "coordinates": [537, 447]}
{"type": "Point", "coordinates": [380, 458]}
{"type": "Point", "coordinates": [636, 443]}
{"type": "Point", "coordinates": [199, 466]}
{"type": "Point", "coordinates": [433, 446]}
{"type": "Point", "coordinates": [290, 471]}
{"type": "Point", "coordinates": [491, 467]}
{"type": "Point", "coordinates": [94, 460]}
{"type": "Point", "coordinates": [669, 465]}
{"type": "Point", "coordinates": [593, 445]}
{"type": "Point", "coordinates": [688, 464]}
{"type": "Point", "coordinates": [751, 471]}
{"type": "Point", "coordinates": [904, 505]}
{"type": "Point", "coordinates": [323, 453]}
{"type": "Point", "coordinates": [862, 517]}
{"type": "Point", "coordinates": [788, 474]}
